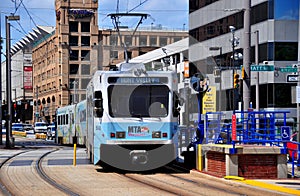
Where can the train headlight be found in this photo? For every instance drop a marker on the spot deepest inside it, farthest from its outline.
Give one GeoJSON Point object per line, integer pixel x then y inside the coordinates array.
{"type": "Point", "coordinates": [156, 134]}
{"type": "Point", "coordinates": [165, 134]}
{"type": "Point", "coordinates": [120, 134]}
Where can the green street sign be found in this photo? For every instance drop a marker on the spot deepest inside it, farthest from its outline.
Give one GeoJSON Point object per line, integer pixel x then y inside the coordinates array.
{"type": "Point", "coordinates": [262, 68]}
{"type": "Point", "coordinates": [288, 69]}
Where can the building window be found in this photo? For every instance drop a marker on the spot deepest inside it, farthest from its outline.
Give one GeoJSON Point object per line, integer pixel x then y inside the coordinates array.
{"type": "Point", "coordinates": [286, 11]}
{"type": "Point", "coordinates": [153, 41]}
{"type": "Point", "coordinates": [85, 27]}
{"type": "Point", "coordinates": [85, 41]}
{"type": "Point", "coordinates": [259, 13]}
{"type": "Point", "coordinates": [210, 30]}
{"type": "Point", "coordinates": [85, 55]}
{"type": "Point", "coordinates": [197, 4]}
{"type": "Point", "coordinates": [176, 39]}
{"type": "Point", "coordinates": [143, 40]}
{"type": "Point", "coordinates": [113, 54]}
{"type": "Point", "coordinates": [85, 69]}
{"type": "Point", "coordinates": [128, 40]}
{"type": "Point", "coordinates": [113, 40]}
{"type": "Point", "coordinates": [163, 41]}
{"type": "Point", "coordinates": [84, 83]}
{"type": "Point", "coordinates": [74, 68]}
{"type": "Point", "coordinates": [73, 40]}
{"type": "Point", "coordinates": [73, 81]}
{"type": "Point", "coordinates": [285, 51]}
{"type": "Point", "coordinates": [73, 26]}
{"type": "Point", "coordinates": [74, 55]}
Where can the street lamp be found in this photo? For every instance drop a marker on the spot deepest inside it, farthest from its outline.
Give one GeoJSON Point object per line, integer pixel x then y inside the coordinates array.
{"type": "Point", "coordinates": [220, 69]}
{"type": "Point", "coordinates": [74, 89]}
{"type": "Point", "coordinates": [8, 78]}
{"type": "Point", "coordinates": [234, 42]}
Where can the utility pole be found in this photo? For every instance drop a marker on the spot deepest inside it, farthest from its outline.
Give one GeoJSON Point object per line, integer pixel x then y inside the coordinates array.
{"type": "Point", "coordinates": [234, 42]}
{"type": "Point", "coordinates": [0, 83]}
{"type": "Point", "coordinates": [257, 73]}
{"type": "Point", "coordinates": [36, 105]}
{"type": "Point", "coordinates": [8, 82]}
{"type": "Point", "coordinates": [246, 58]}
{"type": "Point", "coordinates": [220, 69]}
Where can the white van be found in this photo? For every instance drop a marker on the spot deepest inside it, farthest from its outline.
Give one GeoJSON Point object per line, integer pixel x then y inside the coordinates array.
{"type": "Point", "coordinates": [40, 127]}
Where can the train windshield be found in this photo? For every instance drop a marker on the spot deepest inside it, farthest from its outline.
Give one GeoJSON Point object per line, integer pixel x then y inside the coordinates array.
{"type": "Point", "coordinates": [138, 100]}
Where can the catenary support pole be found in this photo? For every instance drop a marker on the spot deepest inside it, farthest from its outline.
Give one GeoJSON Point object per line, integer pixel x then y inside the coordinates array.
{"type": "Point", "coordinates": [257, 73]}
{"type": "Point", "coordinates": [246, 51]}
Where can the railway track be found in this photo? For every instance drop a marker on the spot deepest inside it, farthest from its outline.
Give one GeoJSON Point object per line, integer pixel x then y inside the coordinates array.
{"type": "Point", "coordinates": [33, 172]}
{"type": "Point", "coordinates": [31, 177]}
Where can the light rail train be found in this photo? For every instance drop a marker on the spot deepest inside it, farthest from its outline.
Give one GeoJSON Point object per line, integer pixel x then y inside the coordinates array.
{"type": "Point", "coordinates": [129, 119]}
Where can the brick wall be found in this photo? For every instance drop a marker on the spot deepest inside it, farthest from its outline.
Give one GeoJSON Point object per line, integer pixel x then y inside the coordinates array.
{"type": "Point", "coordinates": [216, 164]}
{"type": "Point", "coordinates": [257, 166]}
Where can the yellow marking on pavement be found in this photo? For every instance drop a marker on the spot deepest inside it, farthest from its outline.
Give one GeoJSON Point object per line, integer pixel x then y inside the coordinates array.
{"type": "Point", "coordinates": [234, 178]}
{"type": "Point", "coordinates": [271, 187]}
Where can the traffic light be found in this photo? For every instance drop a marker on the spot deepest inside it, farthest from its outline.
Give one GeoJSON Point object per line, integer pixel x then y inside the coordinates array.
{"type": "Point", "coordinates": [243, 72]}
{"type": "Point", "coordinates": [236, 81]}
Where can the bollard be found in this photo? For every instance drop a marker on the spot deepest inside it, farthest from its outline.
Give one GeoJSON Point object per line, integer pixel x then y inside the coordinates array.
{"type": "Point", "coordinates": [199, 158]}
{"type": "Point", "coordinates": [74, 156]}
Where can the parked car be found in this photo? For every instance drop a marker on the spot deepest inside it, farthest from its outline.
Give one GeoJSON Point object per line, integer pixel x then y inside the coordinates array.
{"type": "Point", "coordinates": [17, 127]}
{"type": "Point", "coordinates": [51, 130]}
{"type": "Point", "coordinates": [40, 127]}
{"type": "Point", "coordinates": [28, 128]}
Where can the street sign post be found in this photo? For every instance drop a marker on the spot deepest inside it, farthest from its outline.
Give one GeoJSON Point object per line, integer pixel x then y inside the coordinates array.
{"type": "Point", "coordinates": [262, 68]}
{"type": "Point", "coordinates": [292, 78]}
{"type": "Point", "coordinates": [285, 133]}
{"type": "Point", "coordinates": [288, 69]}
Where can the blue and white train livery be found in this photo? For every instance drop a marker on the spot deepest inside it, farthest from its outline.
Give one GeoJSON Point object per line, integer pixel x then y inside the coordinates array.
{"type": "Point", "coordinates": [71, 124]}
{"type": "Point", "coordinates": [131, 118]}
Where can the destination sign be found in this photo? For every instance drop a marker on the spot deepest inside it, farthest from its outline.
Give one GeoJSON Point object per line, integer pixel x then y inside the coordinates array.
{"type": "Point", "coordinates": [137, 80]}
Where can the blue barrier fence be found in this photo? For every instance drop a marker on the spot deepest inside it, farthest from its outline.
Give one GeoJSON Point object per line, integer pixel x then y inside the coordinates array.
{"type": "Point", "coordinates": [254, 127]}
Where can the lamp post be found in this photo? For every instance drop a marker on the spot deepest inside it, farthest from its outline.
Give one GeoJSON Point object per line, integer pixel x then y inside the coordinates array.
{"type": "Point", "coordinates": [220, 64]}
{"type": "Point", "coordinates": [234, 42]}
{"type": "Point", "coordinates": [8, 80]}
{"type": "Point", "coordinates": [246, 52]}
{"type": "Point", "coordinates": [257, 73]}
{"type": "Point", "coordinates": [74, 89]}
{"type": "Point", "coordinates": [36, 115]}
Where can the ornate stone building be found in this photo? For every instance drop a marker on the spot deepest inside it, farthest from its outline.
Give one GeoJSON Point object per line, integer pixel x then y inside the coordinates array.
{"type": "Point", "coordinates": [64, 60]}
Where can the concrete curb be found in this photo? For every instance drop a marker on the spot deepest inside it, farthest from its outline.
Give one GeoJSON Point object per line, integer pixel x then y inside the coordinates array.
{"type": "Point", "coordinates": [255, 183]}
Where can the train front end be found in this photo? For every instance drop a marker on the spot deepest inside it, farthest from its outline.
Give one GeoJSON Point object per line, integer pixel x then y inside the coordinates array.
{"type": "Point", "coordinates": [139, 124]}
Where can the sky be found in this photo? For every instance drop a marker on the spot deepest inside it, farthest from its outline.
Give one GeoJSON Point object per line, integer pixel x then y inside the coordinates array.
{"type": "Point", "coordinates": [168, 13]}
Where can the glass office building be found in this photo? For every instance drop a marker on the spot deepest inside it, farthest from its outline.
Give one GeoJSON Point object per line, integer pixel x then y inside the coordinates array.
{"type": "Point", "coordinates": [213, 43]}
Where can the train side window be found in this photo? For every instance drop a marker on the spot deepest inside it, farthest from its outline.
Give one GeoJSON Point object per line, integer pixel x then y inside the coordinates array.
{"type": "Point", "coordinates": [98, 104]}
{"type": "Point", "coordinates": [67, 119]}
